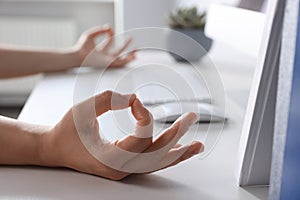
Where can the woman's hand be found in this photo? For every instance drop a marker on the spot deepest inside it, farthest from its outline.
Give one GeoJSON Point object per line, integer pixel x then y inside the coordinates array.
{"type": "Point", "coordinates": [75, 141]}
{"type": "Point", "coordinates": [20, 61]}
{"type": "Point", "coordinates": [103, 56]}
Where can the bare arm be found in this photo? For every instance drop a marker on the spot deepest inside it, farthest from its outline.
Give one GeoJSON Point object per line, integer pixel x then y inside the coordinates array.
{"type": "Point", "coordinates": [19, 61]}
{"type": "Point", "coordinates": [20, 142]}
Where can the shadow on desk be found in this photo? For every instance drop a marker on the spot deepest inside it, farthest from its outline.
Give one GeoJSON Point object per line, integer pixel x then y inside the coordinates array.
{"type": "Point", "coordinates": [30, 182]}
{"type": "Point", "coordinates": [152, 181]}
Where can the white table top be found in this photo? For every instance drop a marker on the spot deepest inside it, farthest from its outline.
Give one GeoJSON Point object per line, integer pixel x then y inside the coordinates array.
{"type": "Point", "coordinates": [210, 178]}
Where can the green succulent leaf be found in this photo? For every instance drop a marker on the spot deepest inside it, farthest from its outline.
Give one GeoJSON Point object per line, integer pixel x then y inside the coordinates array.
{"type": "Point", "coordinates": [187, 18]}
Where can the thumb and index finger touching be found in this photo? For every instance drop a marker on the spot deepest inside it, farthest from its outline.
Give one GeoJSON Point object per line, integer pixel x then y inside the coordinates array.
{"type": "Point", "coordinates": [143, 135]}
{"type": "Point", "coordinates": [142, 138]}
{"type": "Point", "coordinates": [94, 32]}
{"type": "Point", "coordinates": [97, 31]}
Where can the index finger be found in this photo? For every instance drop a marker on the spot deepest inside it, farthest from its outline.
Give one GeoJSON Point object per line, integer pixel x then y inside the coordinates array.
{"type": "Point", "coordinates": [142, 138]}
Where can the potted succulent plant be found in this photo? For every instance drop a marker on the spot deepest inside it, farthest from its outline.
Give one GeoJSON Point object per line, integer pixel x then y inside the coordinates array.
{"type": "Point", "coordinates": [191, 23]}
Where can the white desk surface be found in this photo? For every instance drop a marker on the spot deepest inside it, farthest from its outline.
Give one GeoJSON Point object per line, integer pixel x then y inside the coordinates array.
{"type": "Point", "coordinates": [210, 178]}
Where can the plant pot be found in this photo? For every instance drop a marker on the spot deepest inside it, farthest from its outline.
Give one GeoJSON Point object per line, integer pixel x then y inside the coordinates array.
{"type": "Point", "coordinates": [185, 49]}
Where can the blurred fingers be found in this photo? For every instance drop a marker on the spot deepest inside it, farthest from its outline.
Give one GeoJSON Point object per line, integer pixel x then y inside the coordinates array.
{"type": "Point", "coordinates": [122, 49]}
{"type": "Point", "coordinates": [120, 62]}
{"type": "Point", "coordinates": [107, 46]}
{"type": "Point", "coordinates": [97, 31]}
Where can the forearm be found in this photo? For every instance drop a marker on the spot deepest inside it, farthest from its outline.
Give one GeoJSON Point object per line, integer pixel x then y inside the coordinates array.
{"type": "Point", "coordinates": [21, 143]}
{"type": "Point", "coordinates": [15, 61]}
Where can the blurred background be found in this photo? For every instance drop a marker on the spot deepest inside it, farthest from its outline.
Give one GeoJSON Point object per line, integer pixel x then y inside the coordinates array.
{"type": "Point", "coordinates": [58, 23]}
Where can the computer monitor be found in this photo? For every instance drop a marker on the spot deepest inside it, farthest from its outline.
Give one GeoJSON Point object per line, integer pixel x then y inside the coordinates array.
{"type": "Point", "coordinates": [256, 142]}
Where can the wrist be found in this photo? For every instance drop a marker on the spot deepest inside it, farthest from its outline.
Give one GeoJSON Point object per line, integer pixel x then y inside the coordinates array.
{"type": "Point", "coordinates": [73, 56]}
{"type": "Point", "coordinates": [78, 53]}
{"type": "Point", "coordinates": [65, 59]}
{"type": "Point", "coordinates": [47, 155]}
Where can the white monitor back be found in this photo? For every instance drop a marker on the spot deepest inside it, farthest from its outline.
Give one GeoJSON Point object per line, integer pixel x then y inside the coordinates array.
{"type": "Point", "coordinates": [255, 152]}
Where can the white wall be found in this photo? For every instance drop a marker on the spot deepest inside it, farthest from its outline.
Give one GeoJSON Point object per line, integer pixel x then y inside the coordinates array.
{"type": "Point", "coordinates": [85, 14]}
{"type": "Point", "coordinates": [155, 13]}
{"type": "Point", "coordinates": [82, 14]}
{"type": "Point", "coordinates": [204, 4]}
{"type": "Point", "coordinates": [145, 13]}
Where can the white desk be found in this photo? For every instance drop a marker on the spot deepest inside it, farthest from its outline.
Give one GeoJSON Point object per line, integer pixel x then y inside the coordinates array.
{"type": "Point", "coordinates": [210, 178]}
